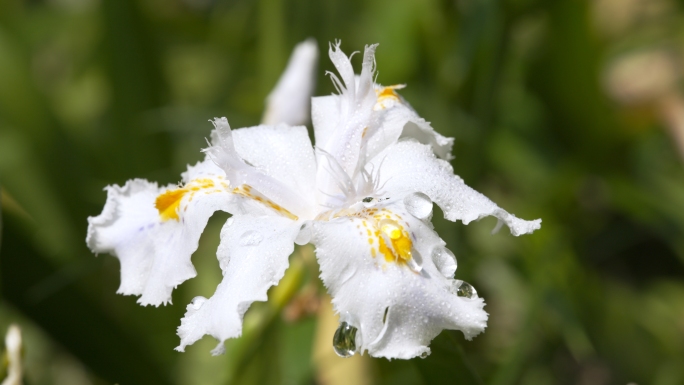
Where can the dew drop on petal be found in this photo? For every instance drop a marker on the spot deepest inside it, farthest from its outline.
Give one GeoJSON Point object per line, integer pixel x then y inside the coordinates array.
{"type": "Point", "coordinates": [444, 260]}
{"type": "Point", "coordinates": [197, 302]}
{"type": "Point", "coordinates": [344, 340]}
{"type": "Point", "coordinates": [424, 355]}
{"type": "Point", "coordinates": [419, 205]}
{"type": "Point", "coordinates": [304, 235]}
{"type": "Point", "coordinates": [415, 263]}
{"type": "Point", "coordinates": [251, 238]}
{"type": "Point", "coordinates": [368, 201]}
{"type": "Point", "coordinates": [463, 289]}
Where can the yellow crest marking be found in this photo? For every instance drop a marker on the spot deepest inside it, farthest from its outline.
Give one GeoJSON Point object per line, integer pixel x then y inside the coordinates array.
{"type": "Point", "coordinates": [168, 202]}
{"type": "Point", "coordinates": [387, 96]}
{"type": "Point", "coordinates": [247, 191]}
{"type": "Point", "coordinates": [395, 242]}
{"type": "Point", "coordinates": [390, 231]}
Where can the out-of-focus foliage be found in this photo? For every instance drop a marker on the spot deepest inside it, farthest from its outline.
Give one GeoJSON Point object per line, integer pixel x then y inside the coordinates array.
{"type": "Point", "coordinates": [568, 110]}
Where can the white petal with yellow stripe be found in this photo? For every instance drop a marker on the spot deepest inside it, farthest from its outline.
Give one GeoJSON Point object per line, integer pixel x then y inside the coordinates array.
{"type": "Point", "coordinates": [154, 230]}
{"type": "Point", "coordinates": [377, 265]}
{"type": "Point", "coordinates": [409, 166]}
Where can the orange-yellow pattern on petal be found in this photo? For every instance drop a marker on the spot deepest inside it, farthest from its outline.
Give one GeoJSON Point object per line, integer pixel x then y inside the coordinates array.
{"type": "Point", "coordinates": [247, 191]}
{"type": "Point", "coordinates": [168, 203]}
{"type": "Point", "coordinates": [387, 97]}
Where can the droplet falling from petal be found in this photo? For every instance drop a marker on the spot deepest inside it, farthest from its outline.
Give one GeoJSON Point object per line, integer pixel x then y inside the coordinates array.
{"type": "Point", "coordinates": [419, 205]}
{"type": "Point", "coordinates": [344, 340]}
{"type": "Point", "coordinates": [463, 289]}
{"type": "Point", "coordinates": [251, 238]}
{"type": "Point", "coordinates": [444, 260]}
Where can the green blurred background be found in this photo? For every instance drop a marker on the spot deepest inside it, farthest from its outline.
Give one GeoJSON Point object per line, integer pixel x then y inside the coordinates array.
{"type": "Point", "coordinates": [568, 110]}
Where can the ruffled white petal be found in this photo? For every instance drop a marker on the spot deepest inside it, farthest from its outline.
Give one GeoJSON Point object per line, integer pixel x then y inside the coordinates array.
{"type": "Point", "coordinates": [253, 255]}
{"type": "Point", "coordinates": [283, 153]}
{"type": "Point", "coordinates": [410, 166]}
{"type": "Point", "coordinates": [390, 120]}
{"type": "Point", "coordinates": [325, 116]}
{"type": "Point", "coordinates": [387, 120]}
{"type": "Point", "coordinates": [155, 251]}
{"type": "Point", "coordinates": [418, 305]}
{"type": "Point", "coordinates": [356, 100]}
{"type": "Point", "coordinates": [204, 169]}
{"type": "Point", "coordinates": [269, 150]}
{"type": "Point", "coordinates": [290, 100]}
{"type": "Point", "coordinates": [393, 119]}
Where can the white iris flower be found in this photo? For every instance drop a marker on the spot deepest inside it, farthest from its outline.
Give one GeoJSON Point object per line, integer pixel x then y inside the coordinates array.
{"type": "Point", "coordinates": [363, 196]}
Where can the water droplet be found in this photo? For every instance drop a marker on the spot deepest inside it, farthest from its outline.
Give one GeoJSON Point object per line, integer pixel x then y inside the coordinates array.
{"type": "Point", "coordinates": [463, 289]}
{"type": "Point", "coordinates": [415, 265]}
{"type": "Point", "coordinates": [419, 205]}
{"type": "Point", "coordinates": [424, 354]}
{"type": "Point", "coordinates": [251, 238]}
{"type": "Point", "coordinates": [304, 235]}
{"type": "Point", "coordinates": [369, 201]}
{"type": "Point", "coordinates": [444, 260]}
{"type": "Point", "coordinates": [230, 221]}
{"type": "Point", "coordinates": [344, 340]}
{"type": "Point", "coordinates": [197, 302]}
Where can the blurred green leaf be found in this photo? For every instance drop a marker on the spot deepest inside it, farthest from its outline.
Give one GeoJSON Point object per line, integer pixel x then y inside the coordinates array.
{"type": "Point", "coordinates": [70, 318]}
{"type": "Point", "coordinates": [448, 363]}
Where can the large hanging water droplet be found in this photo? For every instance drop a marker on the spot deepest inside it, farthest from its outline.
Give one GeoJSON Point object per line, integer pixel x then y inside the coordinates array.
{"type": "Point", "coordinates": [304, 235]}
{"type": "Point", "coordinates": [419, 205]}
{"type": "Point", "coordinates": [197, 302]}
{"type": "Point", "coordinates": [251, 238]}
{"type": "Point", "coordinates": [444, 260]}
{"type": "Point", "coordinates": [344, 340]}
{"type": "Point", "coordinates": [463, 289]}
